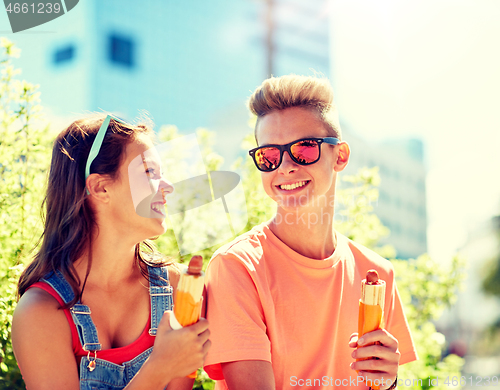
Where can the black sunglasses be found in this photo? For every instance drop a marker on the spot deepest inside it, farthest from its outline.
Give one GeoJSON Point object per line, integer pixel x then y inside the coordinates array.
{"type": "Point", "coordinates": [303, 151]}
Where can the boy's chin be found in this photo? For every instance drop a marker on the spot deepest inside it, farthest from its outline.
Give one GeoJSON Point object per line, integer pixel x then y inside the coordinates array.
{"type": "Point", "coordinates": [292, 202]}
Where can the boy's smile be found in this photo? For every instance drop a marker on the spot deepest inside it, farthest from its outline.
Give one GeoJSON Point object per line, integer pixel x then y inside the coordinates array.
{"type": "Point", "coordinates": [294, 185]}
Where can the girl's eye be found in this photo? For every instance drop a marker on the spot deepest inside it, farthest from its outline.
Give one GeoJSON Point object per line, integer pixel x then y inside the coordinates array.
{"type": "Point", "coordinates": [153, 173]}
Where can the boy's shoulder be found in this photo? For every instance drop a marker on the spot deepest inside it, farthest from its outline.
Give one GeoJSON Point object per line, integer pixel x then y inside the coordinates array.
{"type": "Point", "coordinates": [250, 241]}
{"type": "Point", "coordinates": [248, 248]}
{"type": "Point", "coordinates": [366, 259]}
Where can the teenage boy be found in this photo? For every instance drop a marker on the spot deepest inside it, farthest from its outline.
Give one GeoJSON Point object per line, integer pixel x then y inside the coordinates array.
{"type": "Point", "coordinates": [283, 298]}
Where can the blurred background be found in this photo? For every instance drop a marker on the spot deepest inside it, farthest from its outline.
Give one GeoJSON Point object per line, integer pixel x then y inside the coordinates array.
{"type": "Point", "coordinates": [416, 85]}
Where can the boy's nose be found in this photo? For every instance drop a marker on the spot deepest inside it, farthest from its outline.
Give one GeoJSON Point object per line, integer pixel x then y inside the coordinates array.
{"type": "Point", "coordinates": [287, 164]}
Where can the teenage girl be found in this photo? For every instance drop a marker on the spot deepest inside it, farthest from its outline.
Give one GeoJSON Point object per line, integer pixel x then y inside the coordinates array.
{"type": "Point", "coordinates": [92, 303]}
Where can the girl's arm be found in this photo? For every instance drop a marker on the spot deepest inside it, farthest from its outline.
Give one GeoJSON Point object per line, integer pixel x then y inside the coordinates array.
{"type": "Point", "coordinates": [41, 338]}
{"type": "Point", "coordinates": [181, 384]}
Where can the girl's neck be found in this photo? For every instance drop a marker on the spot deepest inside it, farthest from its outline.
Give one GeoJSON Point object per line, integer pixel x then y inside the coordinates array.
{"type": "Point", "coordinates": [111, 263]}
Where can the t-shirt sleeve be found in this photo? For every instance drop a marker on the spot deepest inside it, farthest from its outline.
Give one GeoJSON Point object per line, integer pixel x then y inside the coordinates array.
{"type": "Point", "coordinates": [235, 315]}
{"type": "Point", "coordinates": [397, 325]}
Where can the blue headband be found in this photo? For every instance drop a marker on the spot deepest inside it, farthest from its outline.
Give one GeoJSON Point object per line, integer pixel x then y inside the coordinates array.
{"type": "Point", "coordinates": [96, 145]}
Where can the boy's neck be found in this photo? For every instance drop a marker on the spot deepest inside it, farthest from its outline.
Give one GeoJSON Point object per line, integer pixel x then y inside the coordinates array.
{"type": "Point", "coordinates": [313, 240]}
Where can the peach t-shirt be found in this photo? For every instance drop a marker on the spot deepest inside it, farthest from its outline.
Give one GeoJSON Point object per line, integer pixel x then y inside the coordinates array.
{"type": "Point", "coordinates": [267, 302]}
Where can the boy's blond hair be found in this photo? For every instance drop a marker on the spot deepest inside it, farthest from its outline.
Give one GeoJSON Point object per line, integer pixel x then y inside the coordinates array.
{"type": "Point", "coordinates": [312, 93]}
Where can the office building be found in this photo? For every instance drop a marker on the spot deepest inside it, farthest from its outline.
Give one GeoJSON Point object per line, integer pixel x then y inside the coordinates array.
{"type": "Point", "coordinates": [401, 205]}
{"type": "Point", "coordinates": [194, 64]}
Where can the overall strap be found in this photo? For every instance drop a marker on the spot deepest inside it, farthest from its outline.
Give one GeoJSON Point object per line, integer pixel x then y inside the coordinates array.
{"type": "Point", "coordinates": [87, 331]}
{"type": "Point", "coordinates": [57, 281]}
{"type": "Point", "coordinates": [160, 292]}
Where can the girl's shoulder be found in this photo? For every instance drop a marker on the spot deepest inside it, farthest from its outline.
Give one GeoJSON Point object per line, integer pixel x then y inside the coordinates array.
{"type": "Point", "coordinates": [36, 300]}
{"type": "Point", "coordinates": [39, 309]}
{"type": "Point", "coordinates": [38, 314]}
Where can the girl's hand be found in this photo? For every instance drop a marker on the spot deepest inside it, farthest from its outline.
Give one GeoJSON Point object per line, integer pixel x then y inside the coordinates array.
{"type": "Point", "coordinates": [180, 352]}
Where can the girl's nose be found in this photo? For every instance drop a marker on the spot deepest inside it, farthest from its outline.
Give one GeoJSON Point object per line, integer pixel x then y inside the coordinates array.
{"type": "Point", "coordinates": [166, 188]}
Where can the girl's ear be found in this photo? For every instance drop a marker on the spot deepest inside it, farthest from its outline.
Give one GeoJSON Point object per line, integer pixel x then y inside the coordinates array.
{"type": "Point", "coordinates": [96, 187]}
{"type": "Point", "coordinates": [343, 157]}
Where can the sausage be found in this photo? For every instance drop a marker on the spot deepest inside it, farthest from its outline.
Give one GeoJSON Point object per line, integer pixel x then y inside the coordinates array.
{"type": "Point", "coordinates": [195, 265]}
{"type": "Point", "coordinates": [372, 277]}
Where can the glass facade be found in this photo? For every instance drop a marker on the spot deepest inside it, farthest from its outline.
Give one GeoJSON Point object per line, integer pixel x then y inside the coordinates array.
{"type": "Point", "coordinates": [64, 54]}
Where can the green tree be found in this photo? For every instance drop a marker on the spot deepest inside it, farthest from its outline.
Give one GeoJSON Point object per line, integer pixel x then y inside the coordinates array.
{"type": "Point", "coordinates": [491, 281]}
{"type": "Point", "coordinates": [426, 290]}
{"type": "Point", "coordinates": [489, 341]}
{"type": "Point", "coordinates": [491, 271]}
{"type": "Point", "coordinates": [24, 151]}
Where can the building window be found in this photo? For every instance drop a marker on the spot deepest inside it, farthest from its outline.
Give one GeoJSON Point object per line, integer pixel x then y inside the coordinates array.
{"type": "Point", "coordinates": [121, 50]}
{"type": "Point", "coordinates": [64, 54]}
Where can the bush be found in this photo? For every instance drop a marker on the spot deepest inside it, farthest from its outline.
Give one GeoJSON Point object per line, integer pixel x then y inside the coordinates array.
{"type": "Point", "coordinates": [426, 290]}
{"type": "Point", "coordinates": [24, 152]}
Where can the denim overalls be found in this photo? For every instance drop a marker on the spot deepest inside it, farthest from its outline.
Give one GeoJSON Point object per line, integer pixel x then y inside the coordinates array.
{"type": "Point", "coordinates": [100, 374]}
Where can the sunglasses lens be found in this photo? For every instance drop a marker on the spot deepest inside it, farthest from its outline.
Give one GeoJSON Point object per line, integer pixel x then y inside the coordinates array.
{"type": "Point", "coordinates": [267, 159]}
{"type": "Point", "coordinates": [306, 151]}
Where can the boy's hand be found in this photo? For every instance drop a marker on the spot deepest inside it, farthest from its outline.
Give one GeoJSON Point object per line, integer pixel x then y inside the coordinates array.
{"type": "Point", "coordinates": [380, 348]}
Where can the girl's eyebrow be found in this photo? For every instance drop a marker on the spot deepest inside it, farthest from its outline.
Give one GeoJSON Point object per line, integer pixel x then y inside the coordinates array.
{"type": "Point", "coordinates": [148, 161]}
{"type": "Point", "coordinates": [151, 163]}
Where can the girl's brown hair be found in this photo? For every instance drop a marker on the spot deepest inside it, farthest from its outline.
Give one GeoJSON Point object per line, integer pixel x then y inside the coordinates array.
{"type": "Point", "coordinates": [69, 219]}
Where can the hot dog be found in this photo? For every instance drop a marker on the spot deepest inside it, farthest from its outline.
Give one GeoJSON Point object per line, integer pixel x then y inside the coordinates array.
{"type": "Point", "coordinates": [371, 306]}
{"type": "Point", "coordinates": [188, 300]}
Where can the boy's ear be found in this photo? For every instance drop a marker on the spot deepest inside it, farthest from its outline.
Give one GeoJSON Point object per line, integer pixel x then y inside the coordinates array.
{"type": "Point", "coordinates": [96, 187]}
{"type": "Point", "coordinates": [343, 157]}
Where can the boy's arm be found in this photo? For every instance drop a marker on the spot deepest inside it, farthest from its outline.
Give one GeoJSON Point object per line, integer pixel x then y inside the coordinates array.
{"type": "Point", "coordinates": [237, 320]}
{"type": "Point", "coordinates": [249, 375]}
